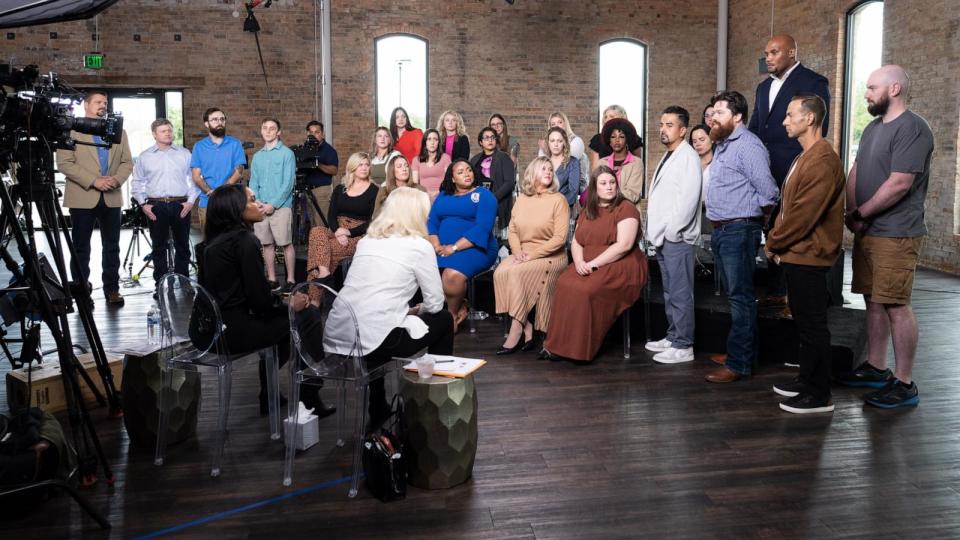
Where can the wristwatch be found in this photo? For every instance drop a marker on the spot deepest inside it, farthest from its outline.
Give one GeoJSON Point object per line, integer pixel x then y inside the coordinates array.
{"type": "Point", "coordinates": [453, 248]}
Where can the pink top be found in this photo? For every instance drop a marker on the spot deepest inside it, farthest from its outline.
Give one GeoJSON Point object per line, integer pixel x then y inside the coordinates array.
{"type": "Point", "coordinates": [431, 175]}
{"type": "Point", "coordinates": [448, 144]}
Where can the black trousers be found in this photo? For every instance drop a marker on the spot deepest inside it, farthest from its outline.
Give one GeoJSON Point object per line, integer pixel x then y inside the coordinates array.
{"type": "Point", "coordinates": [809, 298]}
{"type": "Point", "coordinates": [169, 221]}
{"type": "Point", "coordinates": [437, 340]}
{"type": "Point", "coordinates": [84, 220]}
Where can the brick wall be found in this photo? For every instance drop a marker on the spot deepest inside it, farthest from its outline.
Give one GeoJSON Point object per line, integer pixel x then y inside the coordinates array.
{"type": "Point", "coordinates": [215, 62]}
{"type": "Point", "coordinates": [920, 35]}
{"type": "Point", "coordinates": [523, 61]}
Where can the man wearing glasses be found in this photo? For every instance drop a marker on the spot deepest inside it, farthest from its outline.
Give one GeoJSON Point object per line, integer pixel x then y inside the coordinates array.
{"type": "Point", "coordinates": [217, 159]}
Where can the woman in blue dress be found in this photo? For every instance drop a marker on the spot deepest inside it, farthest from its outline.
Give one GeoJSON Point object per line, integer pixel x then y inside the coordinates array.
{"type": "Point", "coordinates": [461, 231]}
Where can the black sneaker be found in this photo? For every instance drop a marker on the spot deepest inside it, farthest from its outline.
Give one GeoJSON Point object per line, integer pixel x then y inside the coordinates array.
{"type": "Point", "coordinates": [287, 288]}
{"type": "Point", "coordinates": [895, 394]}
{"type": "Point", "coordinates": [806, 404]}
{"type": "Point", "coordinates": [274, 286]}
{"type": "Point", "coordinates": [790, 388]}
{"type": "Point", "coordinates": [867, 376]}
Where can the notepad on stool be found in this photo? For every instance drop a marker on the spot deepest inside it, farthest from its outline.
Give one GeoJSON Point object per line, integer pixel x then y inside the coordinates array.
{"type": "Point", "coordinates": [450, 366]}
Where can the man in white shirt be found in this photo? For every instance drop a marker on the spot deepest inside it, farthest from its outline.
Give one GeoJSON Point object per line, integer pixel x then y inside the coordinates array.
{"type": "Point", "coordinates": [673, 226]}
{"type": "Point", "coordinates": [164, 187]}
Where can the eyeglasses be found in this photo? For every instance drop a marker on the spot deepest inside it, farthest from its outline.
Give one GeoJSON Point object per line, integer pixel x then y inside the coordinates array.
{"type": "Point", "coordinates": [496, 124]}
{"type": "Point", "coordinates": [489, 138]}
{"type": "Point", "coordinates": [217, 120]}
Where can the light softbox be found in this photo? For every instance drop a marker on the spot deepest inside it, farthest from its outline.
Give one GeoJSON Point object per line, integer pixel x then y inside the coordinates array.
{"type": "Point", "coordinates": [17, 13]}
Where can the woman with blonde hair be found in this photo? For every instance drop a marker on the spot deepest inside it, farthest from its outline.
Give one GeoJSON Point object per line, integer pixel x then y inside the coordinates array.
{"type": "Point", "coordinates": [351, 207]}
{"type": "Point", "coordinates": [538, 235]}
{"type": "Point", "coordinates": [453, 136]}
{"type": "Point", "coordinates": [398, 175]}
{"type": "Point", "coordinates": [566, 167]}
{"type": "Point", "coordinates": [396, 241]}
{"type": "Point", "coordinates": [577, 148]}
{"type": "Point", "coordinates": [381, 151]}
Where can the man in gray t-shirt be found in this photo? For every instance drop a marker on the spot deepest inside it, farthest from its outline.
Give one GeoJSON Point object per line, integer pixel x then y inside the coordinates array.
{"type": "Point", "coordinates": [886, 189]}
{"type": "Point", "coordinates": [904, 145]}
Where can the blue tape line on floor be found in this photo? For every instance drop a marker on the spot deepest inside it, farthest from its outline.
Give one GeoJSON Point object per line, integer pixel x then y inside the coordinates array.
{"type": "Point", "coordinates": [246, 507]}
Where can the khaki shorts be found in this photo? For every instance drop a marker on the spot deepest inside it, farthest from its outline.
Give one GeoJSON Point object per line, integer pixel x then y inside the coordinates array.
{"type": "Point", "coordinates": [883, 268]}
{"type": "Point", "coordinates": [275, 228]}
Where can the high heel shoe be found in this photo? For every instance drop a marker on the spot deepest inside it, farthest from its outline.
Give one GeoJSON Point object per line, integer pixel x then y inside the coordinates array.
{"type": "Point", "coordinates": [530, 345]}
{"type": "Point", "coordinates": [545, 355]}
{"type": "Point", "coordinates": [503, 351]}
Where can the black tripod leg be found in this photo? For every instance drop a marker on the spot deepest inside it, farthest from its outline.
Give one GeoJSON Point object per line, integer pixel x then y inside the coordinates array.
{"type": "Point", "coordinates": [80, 499]}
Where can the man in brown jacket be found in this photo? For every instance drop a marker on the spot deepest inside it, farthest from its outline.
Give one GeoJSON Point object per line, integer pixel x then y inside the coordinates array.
{"type": "Point", "coordinates": [805, 241]}
{"type": "Point", "coordinates": [94, 176]}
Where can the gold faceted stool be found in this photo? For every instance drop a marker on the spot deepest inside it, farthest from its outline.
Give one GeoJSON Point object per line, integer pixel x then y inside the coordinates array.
{"type": "Point", "coordinates": [441, 419]}
{"type": "Point", "coordinates": [140, 397]}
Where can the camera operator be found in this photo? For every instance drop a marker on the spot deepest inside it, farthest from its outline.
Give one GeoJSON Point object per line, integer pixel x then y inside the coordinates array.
{"type": "Point", "coordinates": [163, 185]}
{"type": "Point", "coordinates": [320, 159]}
{"type": "Point", "coordinates": [94, 176]}
{"type": "Point", "coordinates": [217, 160]}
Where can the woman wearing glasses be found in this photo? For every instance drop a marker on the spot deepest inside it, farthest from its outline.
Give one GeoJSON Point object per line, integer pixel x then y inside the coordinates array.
{"type": "Point", "coordinates": [496, 172]}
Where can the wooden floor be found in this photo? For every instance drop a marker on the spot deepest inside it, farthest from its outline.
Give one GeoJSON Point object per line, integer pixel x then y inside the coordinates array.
{"type": "Point", "coordinates": [615, 449]}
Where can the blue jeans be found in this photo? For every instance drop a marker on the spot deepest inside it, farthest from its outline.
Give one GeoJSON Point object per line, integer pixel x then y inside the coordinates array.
{"type": "Point", "coordinates": [735, 249]}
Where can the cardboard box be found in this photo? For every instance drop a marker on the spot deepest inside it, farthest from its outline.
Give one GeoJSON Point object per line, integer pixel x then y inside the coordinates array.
{"type": "Point", "coordinates": [46, 386]}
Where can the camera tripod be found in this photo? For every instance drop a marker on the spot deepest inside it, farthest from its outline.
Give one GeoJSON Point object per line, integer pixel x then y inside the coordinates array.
{"type": "Point", "coordinates": [133, 248]}
{"type": "Point", "coordinates": [50, 297]}
{"type": "Point", "coordinates": [302, 196]}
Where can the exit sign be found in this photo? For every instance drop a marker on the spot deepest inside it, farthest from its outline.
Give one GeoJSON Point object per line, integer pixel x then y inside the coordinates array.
{"type": "Point", "coordinates": [93, 61]}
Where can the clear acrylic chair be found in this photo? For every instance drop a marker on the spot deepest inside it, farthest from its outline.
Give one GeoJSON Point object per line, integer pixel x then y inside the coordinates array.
{"type": "Point", "coordinates": [181, 300]}
{"type": "Point", "coordinates": [310, 363]}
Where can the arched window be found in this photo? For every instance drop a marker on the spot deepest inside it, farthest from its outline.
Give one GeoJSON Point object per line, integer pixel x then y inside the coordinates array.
{"type": "Point", "coordinates": [401, 67]}
{"type": "Point", "coordinates": [623, 80]}
{"type": "Point", "coordinates": [864, 49]}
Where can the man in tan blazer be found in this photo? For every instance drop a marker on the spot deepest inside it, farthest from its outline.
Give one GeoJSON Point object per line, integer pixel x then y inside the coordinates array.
{"type": "Point", "coordinates": [93, 195]}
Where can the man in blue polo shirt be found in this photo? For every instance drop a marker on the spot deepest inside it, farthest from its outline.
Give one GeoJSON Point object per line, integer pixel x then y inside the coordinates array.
{"type": "Point", "coordinates": [272, 175]}
{"type": "Point", "coordinates": [217, 159]}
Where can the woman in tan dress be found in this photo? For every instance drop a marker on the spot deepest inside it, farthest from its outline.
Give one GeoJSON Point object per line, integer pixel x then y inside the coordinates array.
{"type": "Point", "coordinates": [538, 233]}
{"type": "Point", "coordinates": [607, 275]}
{"type": "Point", "coordinates": [398, 175]}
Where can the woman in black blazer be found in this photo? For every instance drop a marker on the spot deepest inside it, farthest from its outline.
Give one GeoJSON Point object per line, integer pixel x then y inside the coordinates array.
{"type": "Point", "coordinates": [453, 136]}
{"type": "Point", "coordinates": [495, 170]}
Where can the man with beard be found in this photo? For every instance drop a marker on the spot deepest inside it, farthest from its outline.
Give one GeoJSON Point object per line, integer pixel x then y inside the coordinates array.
{"type": "Point", "coordinates": [94, 176]}
{"type": "Point", "coordinates": [217, 159]}
{"type": "Point", "coordinates": [805, 240]}
{"type": "Point", "coordinates": [886, 190]}
{"type": "Point", "coordinates": [740, 196]}
{"type": "Point", "coordinates": [787, 79]}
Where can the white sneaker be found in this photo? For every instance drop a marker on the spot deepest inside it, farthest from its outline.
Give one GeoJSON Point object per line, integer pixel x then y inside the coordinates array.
{"type": "Point", "coordinates": [674, 356]}
{"type": "Point", "coordinates": [658, 346]}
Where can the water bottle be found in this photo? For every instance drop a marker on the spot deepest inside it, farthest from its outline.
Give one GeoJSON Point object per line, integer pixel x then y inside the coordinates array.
{"type": "Point", "coordinates": [153, 325]}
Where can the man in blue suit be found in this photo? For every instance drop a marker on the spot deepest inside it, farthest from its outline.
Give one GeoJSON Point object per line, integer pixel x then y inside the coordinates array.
{"type": "Point", "coordinates": [787, 79]}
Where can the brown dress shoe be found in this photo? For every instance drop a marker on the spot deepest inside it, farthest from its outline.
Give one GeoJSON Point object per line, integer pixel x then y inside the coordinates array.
{"type": "Point", "coordinates": [722, 375]}
{"type": "Point", "coordinates": [718, 359]}
{"type": "Point", "coordinates": [114, 298]}
{"type": "Point", "coordinates": [773, 301]}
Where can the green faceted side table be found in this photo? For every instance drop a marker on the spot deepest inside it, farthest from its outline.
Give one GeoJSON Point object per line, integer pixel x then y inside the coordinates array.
{"type": "Point", "coordinates": [140, 397]}
{"type": "Point", "coordinates": [441, 419]}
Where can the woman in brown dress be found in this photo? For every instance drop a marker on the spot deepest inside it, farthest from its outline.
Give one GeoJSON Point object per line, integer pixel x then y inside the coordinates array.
{"type": "Point", "coordinates": [351, 208]}
{"type": "Point", "coordinates": [538, 233]}
{"type": "Point", "coordinates": [607, 275]}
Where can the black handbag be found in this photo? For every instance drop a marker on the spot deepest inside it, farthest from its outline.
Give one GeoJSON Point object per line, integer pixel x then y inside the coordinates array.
{"type": "Point", "coordinates": [383, 458]}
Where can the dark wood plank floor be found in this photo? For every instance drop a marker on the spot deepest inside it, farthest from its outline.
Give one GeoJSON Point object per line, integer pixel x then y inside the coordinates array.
{"type": "Point", "coordinates": [615, 449]}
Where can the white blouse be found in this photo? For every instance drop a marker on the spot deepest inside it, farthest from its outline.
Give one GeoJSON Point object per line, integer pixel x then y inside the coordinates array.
{"type": "Point", "coordinates": [383, 277]}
